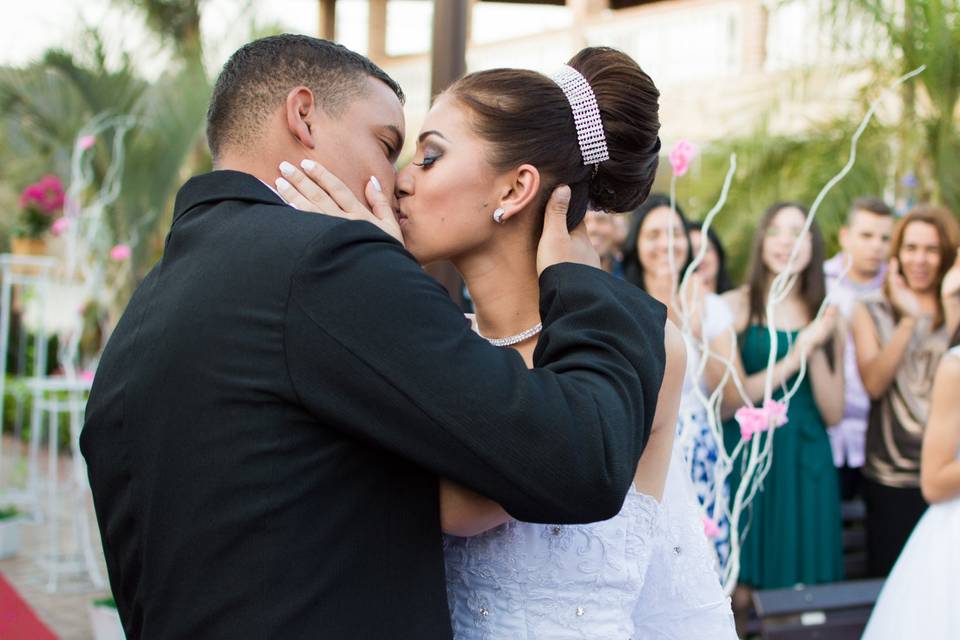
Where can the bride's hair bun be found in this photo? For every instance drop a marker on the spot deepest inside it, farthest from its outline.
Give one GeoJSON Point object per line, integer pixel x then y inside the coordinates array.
{"type": "Point", "coordinates": [526, 118]}
{"type": "Point", "coordinates": [628, 102]}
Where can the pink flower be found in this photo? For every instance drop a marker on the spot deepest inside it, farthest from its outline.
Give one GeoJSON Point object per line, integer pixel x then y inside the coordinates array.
{"type": "Point", "coordinates": [46, 195]}
{"type": "Point", "coordinates": [120, 253]}
{"type": "Point", "coordinates": [680, 157]}
{"type": "Point", "coordinates": [710, 527]}
{"type": "Point", "coordinates": [85, 142]}
{"type": "Point", "coordinates": [50, 183]}
{"type": "Point", "coordinates": [59, 226]}
{"type": "Point", "coordinates": [753, 420]}
{"type": "Point", "coordinates": [86, 376]}
{"type": "Point", "coordinates": [776, 412]}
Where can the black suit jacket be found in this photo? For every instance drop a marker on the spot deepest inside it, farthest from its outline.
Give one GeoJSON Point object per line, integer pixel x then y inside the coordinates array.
{"type": "Point", "coordinates": [270, 416]}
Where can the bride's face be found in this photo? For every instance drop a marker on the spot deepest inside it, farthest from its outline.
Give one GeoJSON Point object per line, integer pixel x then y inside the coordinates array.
{"type": "Point", "coordinates": [448, 193]}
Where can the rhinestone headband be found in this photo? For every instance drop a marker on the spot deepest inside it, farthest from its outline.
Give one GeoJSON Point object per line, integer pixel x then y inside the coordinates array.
{"type": "Point", "coordinates": [586, 114]}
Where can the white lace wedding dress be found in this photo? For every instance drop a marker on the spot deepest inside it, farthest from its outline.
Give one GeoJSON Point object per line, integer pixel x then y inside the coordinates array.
{"type": "Point", "coordinates": [647, 573]}
{"type": "Point", "coordinates": [921, 597]}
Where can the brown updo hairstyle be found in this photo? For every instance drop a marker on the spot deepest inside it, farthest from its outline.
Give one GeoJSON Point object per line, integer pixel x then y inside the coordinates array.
{"type": "Point", "coordinates": [527, 119]}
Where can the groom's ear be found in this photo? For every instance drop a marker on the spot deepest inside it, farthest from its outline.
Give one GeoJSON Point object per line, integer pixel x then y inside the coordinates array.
{"type": "Point", "coordinates": [522, 189]}
{"type": "Point", "coordinates": [301, 112]}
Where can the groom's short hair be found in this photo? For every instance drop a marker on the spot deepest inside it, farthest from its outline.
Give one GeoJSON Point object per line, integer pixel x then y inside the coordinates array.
{"type": "Point", "coordinates": [256, 79]}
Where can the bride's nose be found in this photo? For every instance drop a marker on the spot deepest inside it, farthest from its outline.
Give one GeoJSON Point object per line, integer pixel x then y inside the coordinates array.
{"type": "Point", "coordinates": [405, 182]}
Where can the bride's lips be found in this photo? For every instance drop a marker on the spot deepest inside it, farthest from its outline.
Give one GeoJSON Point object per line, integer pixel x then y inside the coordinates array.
{"type": "Point", "coordinates": [401, 216]}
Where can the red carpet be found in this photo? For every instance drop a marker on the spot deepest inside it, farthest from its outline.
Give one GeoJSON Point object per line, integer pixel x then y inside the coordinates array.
{"type": "Point", "coordinates": [17, 620]}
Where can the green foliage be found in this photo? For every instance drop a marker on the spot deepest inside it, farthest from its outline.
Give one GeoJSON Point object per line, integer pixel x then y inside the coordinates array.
{"type": "Point", "coordinates": [774, 168]}
{"type": "Point", "coordinates": [921, 32]}
{"type": "Point", "coordinates": [109, 602]}
{"type": "Point", "coordinates": [44, 107]}
{"type": "Point", "coordinates": [32, 224]}
{"type": "Point", "coordinates": [8, 513]}
{"type": "Point", "coordinates": [17, 407]}
{"type": "Point", "coordinates": [176, 21]}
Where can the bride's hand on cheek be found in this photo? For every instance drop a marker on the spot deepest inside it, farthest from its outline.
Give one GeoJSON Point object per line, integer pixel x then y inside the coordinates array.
{"type": "Point", "coordinates": [313, 188]}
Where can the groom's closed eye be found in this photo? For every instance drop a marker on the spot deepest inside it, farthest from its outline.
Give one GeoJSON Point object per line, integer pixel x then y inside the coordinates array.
{"type": "Point", "coordinates": [392, 141]}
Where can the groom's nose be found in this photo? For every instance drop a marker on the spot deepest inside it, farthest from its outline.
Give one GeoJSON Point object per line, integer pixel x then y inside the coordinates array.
{"type": "Point", "coordinates": [404, 183]}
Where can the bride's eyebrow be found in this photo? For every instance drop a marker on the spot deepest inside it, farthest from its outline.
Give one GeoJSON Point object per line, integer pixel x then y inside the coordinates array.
{"type": "Point", "coordinates": [431, 132]}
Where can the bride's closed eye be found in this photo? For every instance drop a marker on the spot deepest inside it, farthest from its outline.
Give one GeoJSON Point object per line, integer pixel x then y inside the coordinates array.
{"type": "Point", "coordinates": [427, 161]}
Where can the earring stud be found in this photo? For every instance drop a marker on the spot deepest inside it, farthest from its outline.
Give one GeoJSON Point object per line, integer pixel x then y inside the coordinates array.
{"type": "Point", "coordinates": [498, 215]}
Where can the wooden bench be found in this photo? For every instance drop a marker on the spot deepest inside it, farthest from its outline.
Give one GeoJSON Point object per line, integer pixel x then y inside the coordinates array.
{"type": "Point", "coordinates": [854, 515]}
{"type": "Point", "coordinates": [836, 611]}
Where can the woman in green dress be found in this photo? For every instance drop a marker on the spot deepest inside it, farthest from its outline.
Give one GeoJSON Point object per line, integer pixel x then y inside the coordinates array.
{"type": "Point", "coordinates": [793, 525]}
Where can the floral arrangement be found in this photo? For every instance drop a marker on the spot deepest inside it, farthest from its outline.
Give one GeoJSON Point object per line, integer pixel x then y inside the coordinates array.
{"type": "Point", "coordinates": [40, 202]}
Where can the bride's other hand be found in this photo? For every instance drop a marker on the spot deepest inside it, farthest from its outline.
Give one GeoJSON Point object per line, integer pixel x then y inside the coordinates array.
{"type": "Point", "coordinates": [559, 245]}
{"type": "Point", "coordinates": [313, 188]}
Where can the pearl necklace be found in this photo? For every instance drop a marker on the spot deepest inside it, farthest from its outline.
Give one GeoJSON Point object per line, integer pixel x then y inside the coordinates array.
{"type": "Point", "coordinates": [509, 341]}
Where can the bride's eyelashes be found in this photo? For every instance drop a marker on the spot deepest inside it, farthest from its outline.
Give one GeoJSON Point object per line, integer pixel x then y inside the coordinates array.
{"type": "Point", "coordinates": [427, 161]}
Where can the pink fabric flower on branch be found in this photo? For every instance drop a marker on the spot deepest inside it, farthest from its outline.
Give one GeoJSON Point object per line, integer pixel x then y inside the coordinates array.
{"type": "Point", "coordinates": [59, 226]}
{"type": "Point", "coordinates": [776, 412]}
{"type": "Point", "coordinates": [753, 420]}
{"type": "Point", "coordinates": [710, 527]}
{"type": "Point", "coordinates": [681, 155]}
{"type": "Point", "coordinates": [85, 142]}
{"type": "Point", "coordinates": [120, 253]}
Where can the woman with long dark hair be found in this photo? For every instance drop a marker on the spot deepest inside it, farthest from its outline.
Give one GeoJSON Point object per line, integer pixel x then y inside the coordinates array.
{"type": "Point", "coordinates": [793, 525]}
{"type": "Point", "coordinates": [657, 254]}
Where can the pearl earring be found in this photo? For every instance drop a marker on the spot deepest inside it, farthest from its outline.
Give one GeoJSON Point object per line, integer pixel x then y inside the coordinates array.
{"type": "Point", "coordinates": [498, 215]}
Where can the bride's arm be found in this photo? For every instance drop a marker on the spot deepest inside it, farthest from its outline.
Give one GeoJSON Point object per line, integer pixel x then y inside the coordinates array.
{"type": "Point", "coordinates": [939, 465]}
{"type": "Point", "coordinates": [465, 513]}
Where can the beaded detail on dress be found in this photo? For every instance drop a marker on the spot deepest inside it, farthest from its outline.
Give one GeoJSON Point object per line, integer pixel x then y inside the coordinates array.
{"type": "Point", "coordinates": [526, 581]}
{"type": "Point", "coordinates": [648, 572]}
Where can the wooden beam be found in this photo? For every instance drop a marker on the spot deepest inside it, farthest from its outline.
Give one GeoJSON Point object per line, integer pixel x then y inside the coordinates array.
{"type": "Point", "coordinates": [449, 63]}
{"type": "Point", "coordinates": [327, 23]}
{"type": "Point", "coordinates": [449, 55]}
{"type": "Point", "coordinates": [377, 31]}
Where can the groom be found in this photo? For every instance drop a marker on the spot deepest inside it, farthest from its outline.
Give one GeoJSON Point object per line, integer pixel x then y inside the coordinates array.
{"type": "Point", "coordinates": [269, 419]}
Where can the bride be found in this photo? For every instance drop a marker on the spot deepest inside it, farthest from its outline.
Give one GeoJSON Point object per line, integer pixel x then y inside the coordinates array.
{"type": "Point", "coordinates": [492, 149]}
{"type": "Point", "coordinates": [919, 599]}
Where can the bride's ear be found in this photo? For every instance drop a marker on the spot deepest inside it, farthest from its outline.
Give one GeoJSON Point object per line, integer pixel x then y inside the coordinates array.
{"type": "Point", "coordinates": [300, 111]}
{"type": "Point", "coordinates": [522, 189]}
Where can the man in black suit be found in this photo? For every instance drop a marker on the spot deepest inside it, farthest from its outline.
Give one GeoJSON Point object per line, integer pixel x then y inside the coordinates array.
{"type": "Point", "coordinates": [271, 415]}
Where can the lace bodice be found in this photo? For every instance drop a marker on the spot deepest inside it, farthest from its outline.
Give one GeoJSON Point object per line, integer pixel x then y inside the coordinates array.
{"type": "Point", "coordinates": [651, 562]}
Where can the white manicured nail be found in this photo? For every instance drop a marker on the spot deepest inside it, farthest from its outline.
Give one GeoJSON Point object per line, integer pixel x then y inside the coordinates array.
{"type": "Point", "coordinates": [308, 164]}
{"type": "Point", "coordinates": [376, 184]}
{"type": "Point", "coordinates": [286, 168]}
{"type": "Point", "coordinates": [283, 184]}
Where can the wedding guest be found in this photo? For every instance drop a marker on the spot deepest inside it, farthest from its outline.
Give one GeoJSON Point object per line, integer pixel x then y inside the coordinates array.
{"type": "Point", "coordinates": [856, 271]}
{"type": "Point", "coordinates": [602, 230]}
{"type": "Point", "coordinates": [791, 531]}
{"type": "Point", "coordinates": [919, 599]}
{"type": "Point", "coordinates": [621, 224]}
{"type": "Point", "coordinates": [901, 332]}
{"type": "Point", "coordinates": [657, 253]}
{"type": "Point", "coordinates": [713, 270]}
